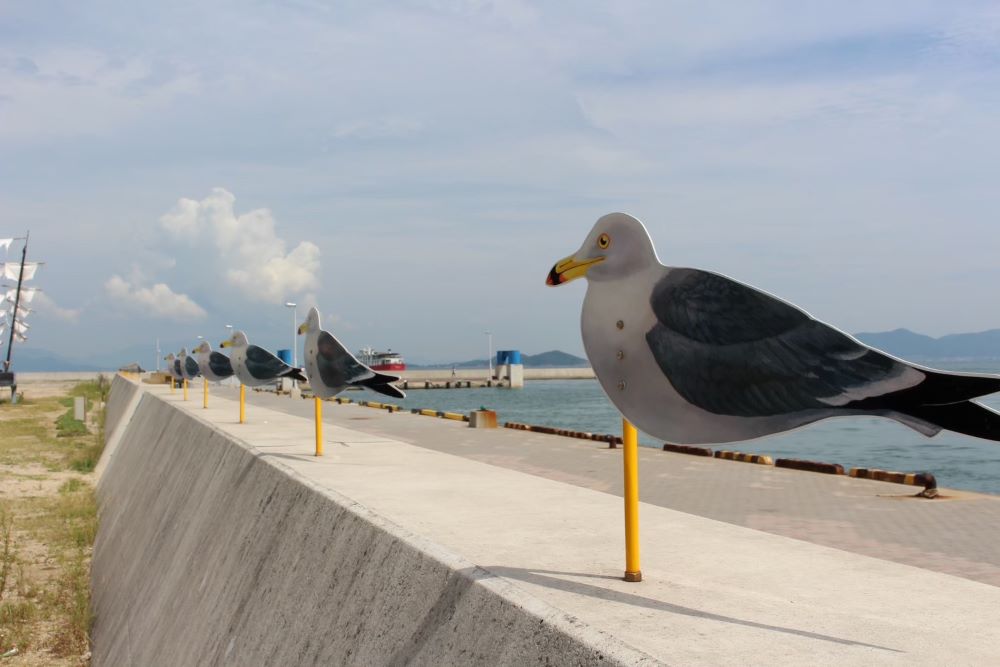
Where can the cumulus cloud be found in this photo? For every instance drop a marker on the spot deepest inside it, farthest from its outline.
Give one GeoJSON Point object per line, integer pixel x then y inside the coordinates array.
{"type": "Point", "coordinates": [251, 256]}
{"type": "Point", "coordinates": [158, 300]}
{"type": "Point", "coordinates": [46, 305]}
{"type": "Point", "coordinates": [104, 91]}
{"type": "Point", "coordinates": [378, 128]}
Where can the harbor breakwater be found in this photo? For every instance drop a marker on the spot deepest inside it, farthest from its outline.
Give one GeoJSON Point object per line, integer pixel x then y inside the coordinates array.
{"type": "Point", "coordinates": [210, 553]}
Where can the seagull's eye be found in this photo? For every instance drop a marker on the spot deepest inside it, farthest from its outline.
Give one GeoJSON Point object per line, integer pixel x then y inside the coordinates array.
{"type": "Point", "coordinates": [603, 241]}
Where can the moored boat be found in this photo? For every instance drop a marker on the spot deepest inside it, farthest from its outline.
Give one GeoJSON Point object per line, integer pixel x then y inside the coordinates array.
{"type": "Point", "coordinates": [382, 361]}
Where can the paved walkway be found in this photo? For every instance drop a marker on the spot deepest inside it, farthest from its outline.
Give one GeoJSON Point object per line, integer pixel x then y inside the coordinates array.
{"type": "Point", "coordinates": [957, 534]}
{"type": "Point", "coordinates": [713, 593]}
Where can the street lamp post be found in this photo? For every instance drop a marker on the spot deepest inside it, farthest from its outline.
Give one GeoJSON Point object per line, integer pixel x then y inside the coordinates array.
{"type": "Point", "coordinates": [295, 331]}
{"type": "Point", "coordinates": [489, 357]}
{"type": "Point", "coordinates": [229, 334]}
{"type": "Point", "coordinates": [295, 336]}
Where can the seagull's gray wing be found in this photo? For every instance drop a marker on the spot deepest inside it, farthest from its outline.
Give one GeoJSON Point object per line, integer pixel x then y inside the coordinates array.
{"type": "Point", "coordinates": [191, 366]}
{"type": "Point", "coordinates": [263, 365]}
{"type": "Point", "coordinates": [338, 367]}
{"type": "Point", "coordinates": [220, 364]}
{"type": "Point", "coordinates": [733, 350]}
{"type": "Point", "coordinates": [177, 368]}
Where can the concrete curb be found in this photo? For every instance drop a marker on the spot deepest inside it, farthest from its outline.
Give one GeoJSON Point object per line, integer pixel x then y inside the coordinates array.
{"type": "Point", "coordinates": [810, 466]}
{"type": "Point", "coordinates": [760, 459]}
{"type": "Point", "coordinates": [924, 479]}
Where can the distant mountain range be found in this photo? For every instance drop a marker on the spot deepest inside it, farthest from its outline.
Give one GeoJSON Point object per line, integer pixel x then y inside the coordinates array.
{"type": "Point", "coordinates": [900, 342]}
{"type": "Point", "coordinates": [909, 345]}
{"type": "Point", "coordinates": [30, 359]}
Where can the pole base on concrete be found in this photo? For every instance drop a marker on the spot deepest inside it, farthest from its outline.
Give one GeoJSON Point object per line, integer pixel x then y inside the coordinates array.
{"type": "Point", "coordinates": [633, 576]}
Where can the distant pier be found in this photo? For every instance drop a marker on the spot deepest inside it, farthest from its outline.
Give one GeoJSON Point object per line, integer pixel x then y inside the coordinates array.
{"type": "Point", "coordinates": [446, 378]}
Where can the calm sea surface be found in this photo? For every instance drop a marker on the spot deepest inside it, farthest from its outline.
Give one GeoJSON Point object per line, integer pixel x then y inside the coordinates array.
{"type": "Point", "coordinates": [957, 461]}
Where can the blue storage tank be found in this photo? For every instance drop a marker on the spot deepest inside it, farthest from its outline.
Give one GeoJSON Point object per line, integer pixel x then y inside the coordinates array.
{"type": "Point", "coordinates": [503, 357]}
{"type": "Point", "coordinates": [514, 356]}
{"type": "Point", "coordinates": [286, 356]}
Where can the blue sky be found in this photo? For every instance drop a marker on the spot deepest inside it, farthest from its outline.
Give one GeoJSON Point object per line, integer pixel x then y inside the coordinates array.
{"type": "Point", "coordinates": [415, 168]}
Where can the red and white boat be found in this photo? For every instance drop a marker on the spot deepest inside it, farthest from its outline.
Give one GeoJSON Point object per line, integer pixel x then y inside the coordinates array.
{"type": "Point", "coordinates": [382, 361]}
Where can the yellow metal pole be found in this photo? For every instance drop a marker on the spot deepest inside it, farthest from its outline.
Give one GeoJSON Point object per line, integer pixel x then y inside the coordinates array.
{"type": "Point", "coordinates": [630, 455]}
{"type": "Point", "coordinates": [205, 405]}
{"type": "Point", "coordinates": [172, 383]}
{"type": "Point", "coordinates": [243, 405]}
{"type": "Point", "coordinates": [185, 389]}
{"type": "Point", "coordinates": [319, 425]}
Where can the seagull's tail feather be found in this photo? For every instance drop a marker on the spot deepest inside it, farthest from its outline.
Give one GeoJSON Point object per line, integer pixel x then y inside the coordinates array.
{"type": "Point", "coordinates": [387, 389]}
{"type": "Point", "coordinates": [295, 374]}
{"type": "Point", "coordinates": [946, 388]}
{"type": "Point", "coordinates": [966, 417]}
{"type": "Point", "coordinates": [376, 378]}
{"type": "Point", "coordinates": [382, 383]}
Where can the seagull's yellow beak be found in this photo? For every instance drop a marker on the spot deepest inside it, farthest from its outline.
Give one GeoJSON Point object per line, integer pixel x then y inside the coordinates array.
{"type": "Point", "coordinates": [303, 327]}
{"type": "Point", "coordinates": [569, 269]}
{"type": "Point", "coordinates": [226, 343]}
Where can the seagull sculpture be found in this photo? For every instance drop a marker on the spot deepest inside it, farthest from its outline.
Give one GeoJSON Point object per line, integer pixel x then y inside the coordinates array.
{"type": "Point", "coordinates": [189, 367]}
{"type": "Point", "coordinates": [332, 369]}
{"type": "Point", "coordinates": [254, 365]}
{"type": "Point", "coordinates": [695, 357]}
{"type": "Point", "coordinates": [215, 366]}
{"type": "Point", "coordinates": [174, 367]}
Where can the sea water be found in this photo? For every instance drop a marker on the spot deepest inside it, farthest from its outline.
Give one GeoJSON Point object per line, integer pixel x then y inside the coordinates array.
{"type": "Point", "coordinates": [957, 461]}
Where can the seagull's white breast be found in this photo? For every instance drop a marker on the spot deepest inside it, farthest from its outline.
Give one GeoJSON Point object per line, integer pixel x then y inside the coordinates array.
{"type": "Point", "coordinates": [238, 358]}
{"type": "Point", "coordinates": [615, 320]}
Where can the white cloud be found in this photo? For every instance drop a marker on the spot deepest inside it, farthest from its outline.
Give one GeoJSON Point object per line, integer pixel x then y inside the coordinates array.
{"type": "Point", "coordinates": [377, 128]}
{"type": "Point", "coordinates": [249, 253]}
{"type": "Point", "coordinates": [158, 300]}
{"type": "Point", "coordinates": [104, 92]}
{"type": "Point", "coordinates": [47, 306]}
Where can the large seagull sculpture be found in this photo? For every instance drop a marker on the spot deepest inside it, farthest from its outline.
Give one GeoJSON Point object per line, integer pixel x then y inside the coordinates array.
{"type": "Point", "coordinates": [694, 357]}
{"type": "Point", "coordinates": [255, 366]}
{"type": "Point", "coordinates": [332, 369]}
{"type": "Point", "coordinates": [213, 365]}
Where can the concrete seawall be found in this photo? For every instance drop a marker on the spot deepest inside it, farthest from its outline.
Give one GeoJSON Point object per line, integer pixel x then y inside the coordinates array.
{"type": "Point", "coordinates": [209, 552]}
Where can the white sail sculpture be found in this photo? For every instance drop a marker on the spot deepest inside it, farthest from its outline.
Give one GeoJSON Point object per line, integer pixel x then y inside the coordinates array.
{"type": "Point", "coordinates": [14, 308]}
{"type": "Point", "coordinates": [12, 270]}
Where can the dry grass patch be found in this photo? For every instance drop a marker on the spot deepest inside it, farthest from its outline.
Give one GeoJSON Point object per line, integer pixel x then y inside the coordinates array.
{"type": "Point", "coordinates": [48, 521]}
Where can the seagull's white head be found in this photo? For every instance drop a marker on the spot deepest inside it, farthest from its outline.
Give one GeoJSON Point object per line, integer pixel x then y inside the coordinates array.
{"type": "Point", "coordinates": [617, 246]}
{"type": "Point", "coordinates": [203, 348]}
{"type": "Point", "coordinates": [238, 339]}
{"type": "Point", "coordinates": [183, 353]}
{"type": "Point", "coordinates": [169, 357]}
{"type": "Point", "coordinates": [312, 322]}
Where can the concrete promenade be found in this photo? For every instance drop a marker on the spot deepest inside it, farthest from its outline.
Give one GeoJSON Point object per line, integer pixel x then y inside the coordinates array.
{"type": "Point", "coordinates": [731, 591]}
{"type": "Point", "coordinates": [958, 533]}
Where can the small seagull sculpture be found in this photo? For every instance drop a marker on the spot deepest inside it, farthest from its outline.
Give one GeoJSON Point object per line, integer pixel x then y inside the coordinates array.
{"type": "Point", "coordinates": [189, 367]}
{"type": "Point", "coordinates": [254, 365]}
{"type": "Point", "coordinates": [213, 365]}
{"type": "Point", "coordinates": [332, 369]}
{"type": "Point", "coordinates": [174, 367]}
{"type": "Point", "coordinates": [694, 357]}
